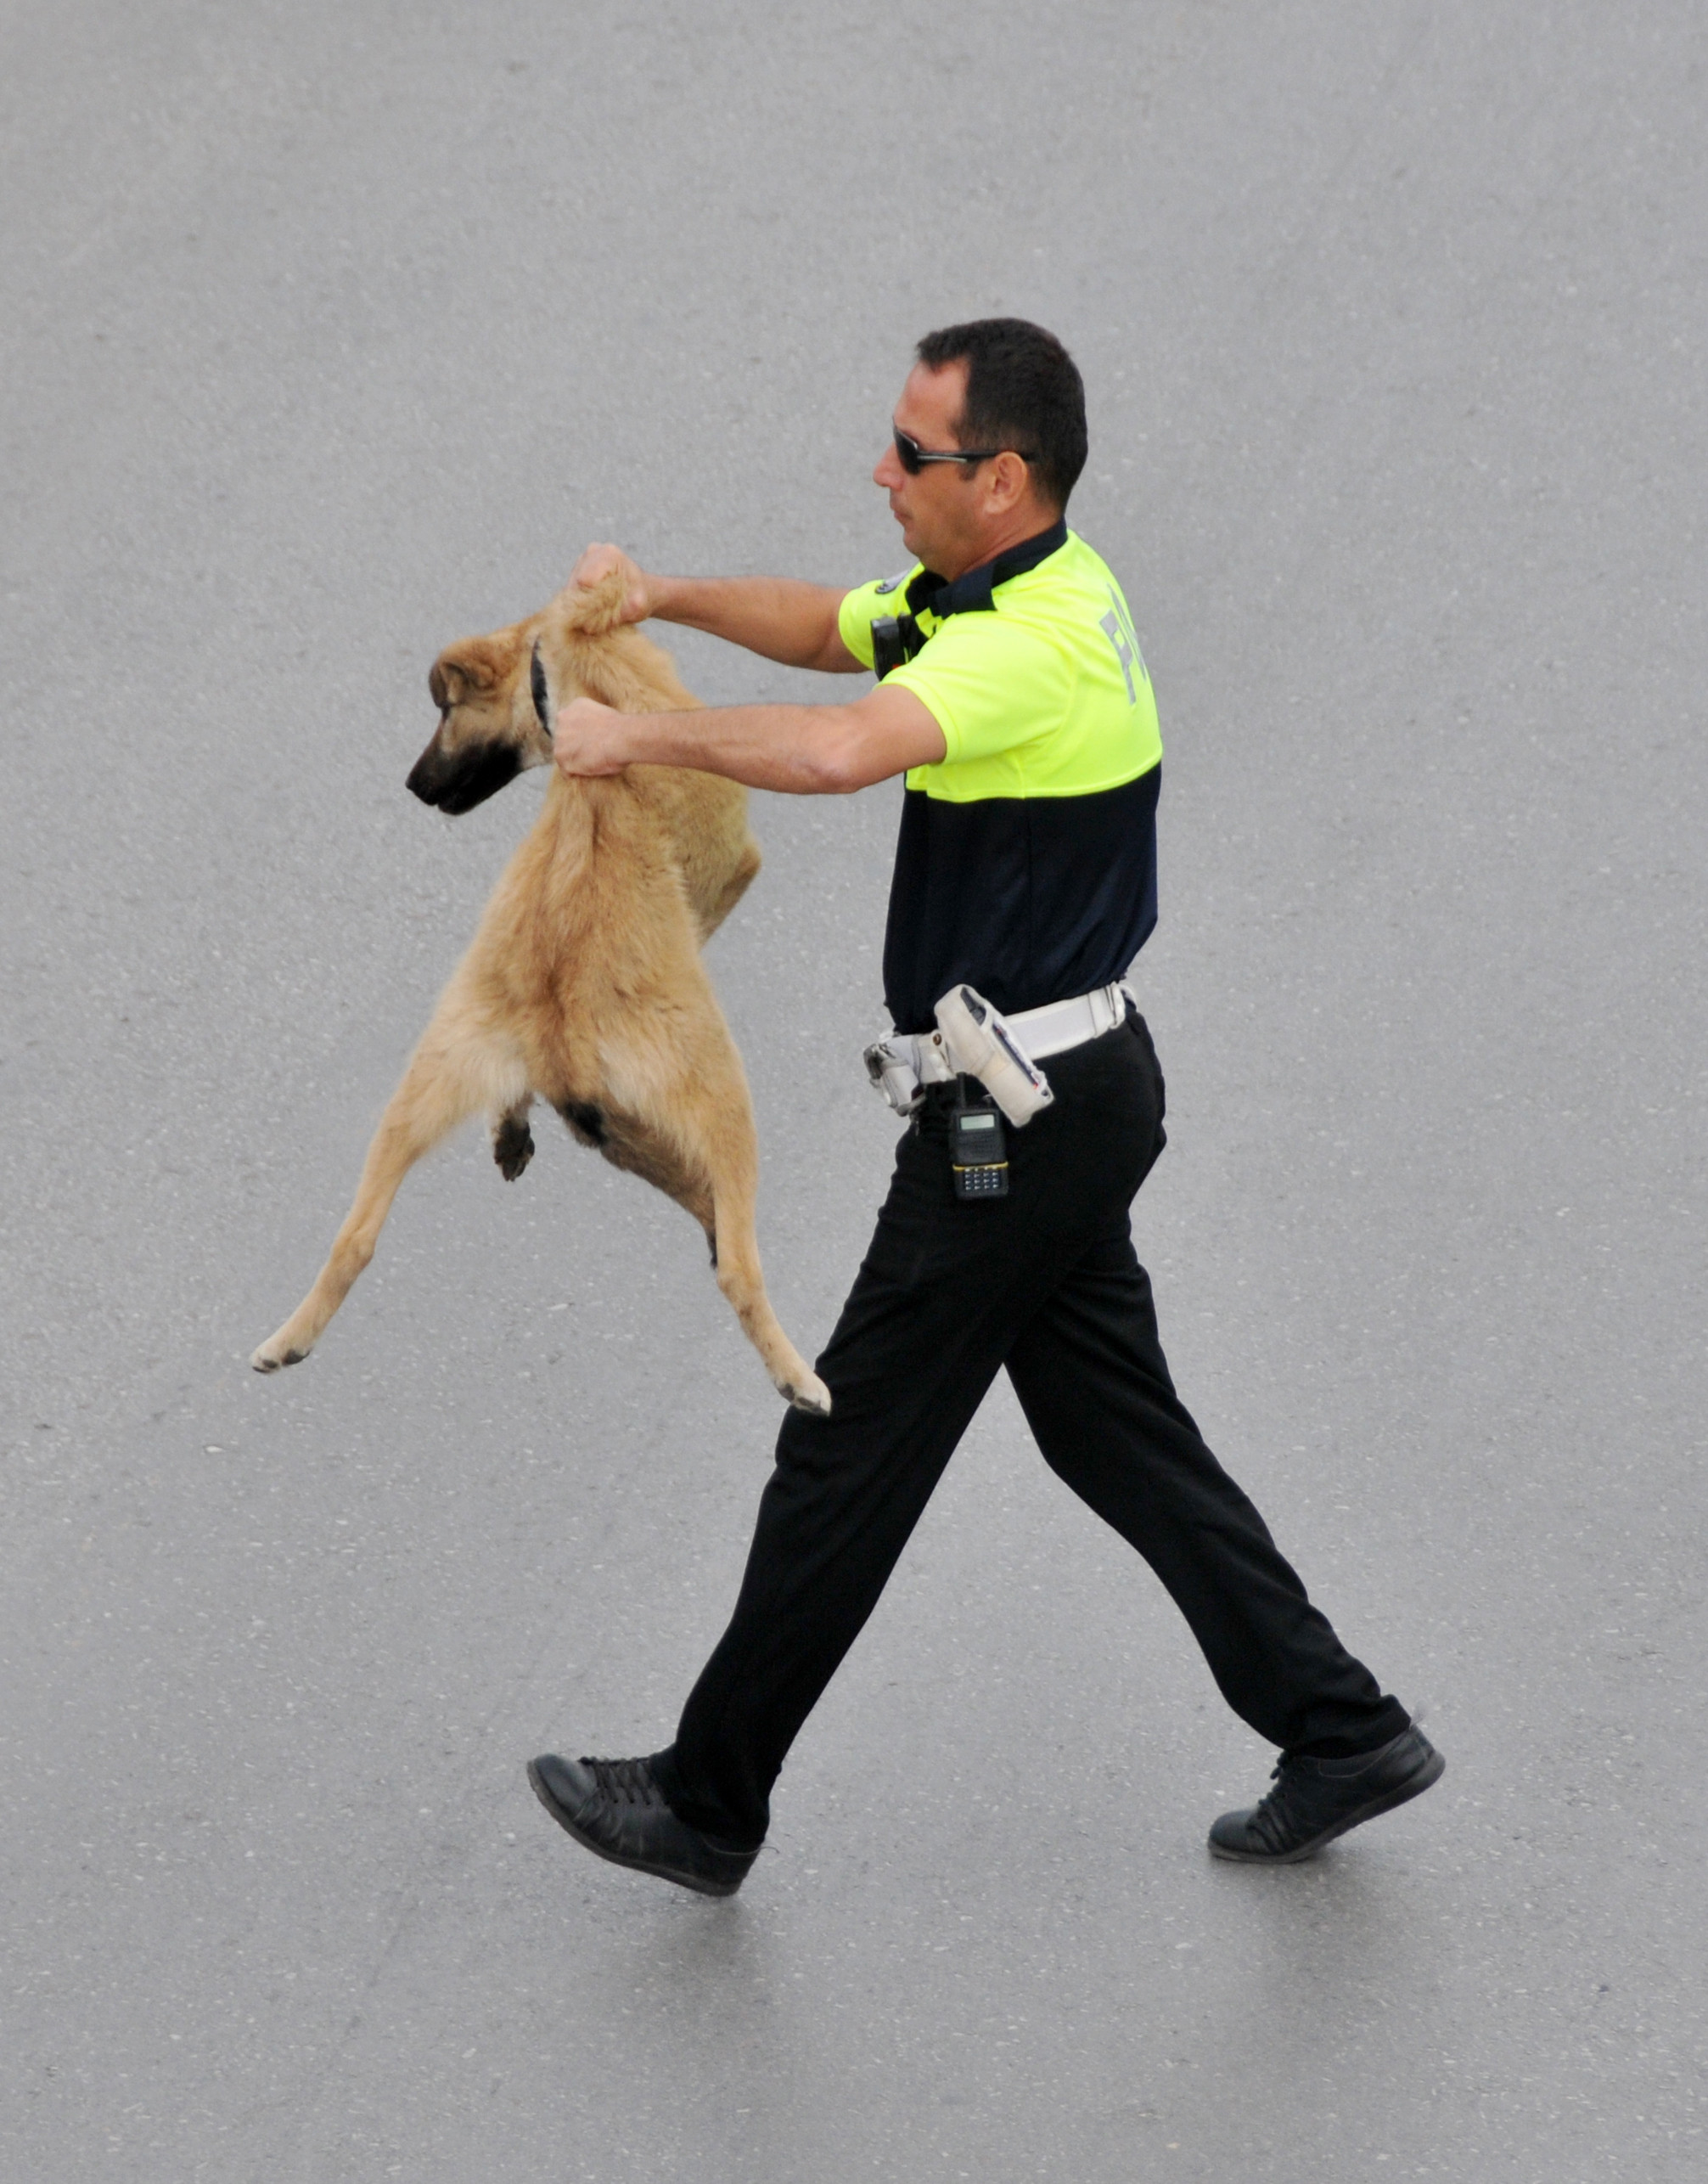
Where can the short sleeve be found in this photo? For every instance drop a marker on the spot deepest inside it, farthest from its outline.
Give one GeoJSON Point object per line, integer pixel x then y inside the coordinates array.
{"type": "Point", "coordinates": [990, 683]}
{"type": "Point", "coordinates": [869, 604]}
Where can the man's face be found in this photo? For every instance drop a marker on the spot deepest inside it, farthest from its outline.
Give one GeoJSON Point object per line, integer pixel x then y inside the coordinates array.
{"type": "Point", "coordinates": [941, 511]}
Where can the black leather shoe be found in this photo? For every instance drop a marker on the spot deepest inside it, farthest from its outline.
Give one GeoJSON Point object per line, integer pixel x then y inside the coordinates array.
{"type": "Point", "coordinates": [615, 1809]}
{"type": "Point", "coordinates": [1315, 1800]}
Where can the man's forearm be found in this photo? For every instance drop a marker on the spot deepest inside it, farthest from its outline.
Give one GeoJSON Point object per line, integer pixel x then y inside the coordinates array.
{"type": "Point", "coordinates": [803, 750]}
{"type": "Point", "coordinates": [780, 617]}
{"type": "Point", "coordinates": [799, 750]}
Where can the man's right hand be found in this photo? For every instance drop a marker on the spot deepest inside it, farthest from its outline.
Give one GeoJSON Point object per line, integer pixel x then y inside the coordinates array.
{"type": "Point", "coordinates": [597, 562]}
{"type": "Point", "coordinates": [776, 617]}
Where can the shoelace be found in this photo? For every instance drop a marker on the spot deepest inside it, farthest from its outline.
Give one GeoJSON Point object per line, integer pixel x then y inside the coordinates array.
{"type": "Point", "coordinates": [625, 1781]}
{"type": "Point", "coordinates": [1286, 1812]}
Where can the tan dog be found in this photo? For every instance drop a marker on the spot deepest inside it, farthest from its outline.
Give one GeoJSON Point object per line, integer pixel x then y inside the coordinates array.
{"type": "Point", "coordinates": [584, 986]}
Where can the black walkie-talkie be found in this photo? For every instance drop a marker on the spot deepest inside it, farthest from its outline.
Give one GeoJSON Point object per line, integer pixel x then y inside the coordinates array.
{"type": "Point", "coordinates": [978, 1153]}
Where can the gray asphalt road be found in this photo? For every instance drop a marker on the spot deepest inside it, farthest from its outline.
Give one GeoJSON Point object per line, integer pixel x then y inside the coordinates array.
{"type": "Point", "coordinates": [330, 333]}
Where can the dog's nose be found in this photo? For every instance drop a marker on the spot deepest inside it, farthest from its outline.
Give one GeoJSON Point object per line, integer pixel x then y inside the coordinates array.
{"type": "Point", "coordinates": [456, 781]}
{"type": "Point", "coordinates": [422, 782]}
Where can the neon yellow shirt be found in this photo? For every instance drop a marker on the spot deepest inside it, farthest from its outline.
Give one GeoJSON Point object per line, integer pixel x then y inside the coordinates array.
{"type": "Point", "coordinates": [1026, 862]}
{"type": "Point", "coordinates": [1046, 696]}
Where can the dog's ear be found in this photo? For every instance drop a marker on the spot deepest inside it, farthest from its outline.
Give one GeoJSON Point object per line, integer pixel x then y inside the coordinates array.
{"type": "Point", "coordinates": [472, 667]}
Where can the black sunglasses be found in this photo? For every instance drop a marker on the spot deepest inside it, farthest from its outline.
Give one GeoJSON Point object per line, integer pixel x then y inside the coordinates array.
{"type": "Point", "coordinates": [914, 457]}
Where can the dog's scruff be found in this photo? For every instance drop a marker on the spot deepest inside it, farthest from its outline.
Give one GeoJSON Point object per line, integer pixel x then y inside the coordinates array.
{"type": "Point", "coordinates": [584, 986]}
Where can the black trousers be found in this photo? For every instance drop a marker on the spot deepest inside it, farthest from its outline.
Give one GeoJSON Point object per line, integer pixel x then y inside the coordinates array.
{"type": "Point", "coordinates": [1045, 1283]}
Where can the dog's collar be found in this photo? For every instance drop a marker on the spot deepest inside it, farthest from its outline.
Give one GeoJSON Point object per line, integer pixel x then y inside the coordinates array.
{"type": "Point", "coordinates": [542, 696]}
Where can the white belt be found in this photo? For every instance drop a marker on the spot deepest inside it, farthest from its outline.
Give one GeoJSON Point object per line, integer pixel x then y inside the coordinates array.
{"type": "Point", "coordinates": [1059, 1025]}
{"type": "Point", "coordinates": [1051, 1029]}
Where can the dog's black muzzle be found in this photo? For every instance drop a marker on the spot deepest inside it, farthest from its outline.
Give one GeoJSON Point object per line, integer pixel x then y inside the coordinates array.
{"type": "Point", "coordinates": [458, 783]}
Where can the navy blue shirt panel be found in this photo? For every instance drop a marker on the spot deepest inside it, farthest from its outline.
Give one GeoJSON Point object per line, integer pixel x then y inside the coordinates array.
{"type": "Point", "coordinates": [1028, 899]}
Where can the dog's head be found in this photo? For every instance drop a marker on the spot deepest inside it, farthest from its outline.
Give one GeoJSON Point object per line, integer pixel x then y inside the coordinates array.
{"type": "Point", "coordinates": [487, 731]}
{"type": "Point", "coordinates": [495, 705]}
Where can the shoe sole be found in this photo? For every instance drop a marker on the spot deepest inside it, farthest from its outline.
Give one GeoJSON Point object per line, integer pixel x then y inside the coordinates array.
{"type": "Point", "coordinates": [1414, 1786]}
{"type": "Point", "coordinates": [700, 1886]}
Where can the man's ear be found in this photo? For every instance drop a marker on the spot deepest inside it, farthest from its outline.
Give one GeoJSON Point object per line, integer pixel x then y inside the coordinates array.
{"type": "Point", "coordinates": [472, 666]}
{"type": "Point", "coordinates": [1008, 478]}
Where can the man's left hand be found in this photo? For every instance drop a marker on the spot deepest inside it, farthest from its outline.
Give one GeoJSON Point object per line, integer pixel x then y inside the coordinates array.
{"type": "Point", "coordinates": [590, 739]}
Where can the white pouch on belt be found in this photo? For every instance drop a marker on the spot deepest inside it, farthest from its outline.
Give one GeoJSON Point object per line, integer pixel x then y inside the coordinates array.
{"type": "Point", "coordinates": [979, 1044]}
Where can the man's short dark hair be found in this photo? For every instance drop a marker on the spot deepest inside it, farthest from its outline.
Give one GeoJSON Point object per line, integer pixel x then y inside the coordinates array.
{"type": "Point", "coordinates": [1024, 391]}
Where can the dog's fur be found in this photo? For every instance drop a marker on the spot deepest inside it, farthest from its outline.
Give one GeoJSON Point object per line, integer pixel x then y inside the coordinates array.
{"type": "Point", "coordinates": [584, 986]}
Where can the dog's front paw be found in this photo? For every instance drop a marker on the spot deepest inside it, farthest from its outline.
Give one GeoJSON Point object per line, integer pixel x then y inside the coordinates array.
{"type": "Point", "coordinates": [810, 1394]}
{"type": "Point", "coordinates": [274, 1353]}
{"type": "Point", "coordinates": [513, 1147]}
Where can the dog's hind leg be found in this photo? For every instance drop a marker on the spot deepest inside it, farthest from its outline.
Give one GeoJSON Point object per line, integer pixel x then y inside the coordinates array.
{"type": "Point", "coordinates": [735, 1258]}
{"type": "Point", "coordinates": [694, 1096]}
{"type": "Point", "coordinates": [456, 1070]}
{"type": "Point", "coordinates": [513, 1141]}
{"type": "Point", "coordinates": [734, 889]}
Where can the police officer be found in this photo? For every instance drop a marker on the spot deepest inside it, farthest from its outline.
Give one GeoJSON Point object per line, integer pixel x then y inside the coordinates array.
{"type": "Point", "coordinates": [1014, 698]}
